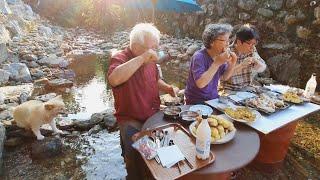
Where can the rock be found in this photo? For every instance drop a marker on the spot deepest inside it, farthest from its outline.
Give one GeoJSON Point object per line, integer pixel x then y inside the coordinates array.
{"type": "Point", "coordinates": [277, 46]}
{"type": "Point", "coordinates": [4, 34]}
{"type": "Point", "coordinates": [45, 31]}
{"type": "Point", "coordinates": [291, 3]}
{"type": "Point", "coordinates": [33, 64]}
{"type": "Point", "coordinates": [1, 99]}
{"type": "Point", "coordinates": [18, 72]}
{"type": "Point", "coordinates": [13, 142]}
{"type": "Point", "coordinates": [47, 148]}
{"type": "Point", "coordinates": [109, 121]}
{"type": "Point", "coordinates": [24, 96]}
{"type": "Point", "coordinates": [2, 138]}
{"type": "Point", "coordinates": [3, 52]}
{"type": "Point", "coordinates": [317, 12]}
{"type": "Point", "coordinates": [95, 129]}
{"type": "Point", "coordinates": [15, 91]}
{"type": "Point", "coordinates": [6, 114]}
{"type": "Point", "coordinates": [30, 57]}
{"type": "Point", "coordinates": [282, 14]}
{"type": "Point", "coordinates": [290, 19]}
{"type": "Point", "coordinates": [303, 32]}
{"type": "Point", "coordinates": [4, 8]}
{"type": "Point", "coordinates": [275, 4]}
{"type": "Point", "coordinates": [45, 97]}
{"type": "Point", "coordinates": [247, 4]}
{"type": "Point", "coordinates": [57, 84]}
{"type": "Point", "coordinates": [96, 118]}
{"type": "Point", "coordinates": [265, 12]}
{"type": "Point", "coordinates": [276, 26]}
{"type": "Point", "coordinates": [37, 73]}
{"type": "Point", "coordinates": [52, 60]}
{"type": "Point", "coordinates": [14, 28]}
{"type": "Point", "coordinates": [4, 76]}
{"type": "Point", "coordinates": [288, 75]}
{"type": "Point", "coordinates": [192, 49]}
{"type": "Point", "coordinates": [244, 16]}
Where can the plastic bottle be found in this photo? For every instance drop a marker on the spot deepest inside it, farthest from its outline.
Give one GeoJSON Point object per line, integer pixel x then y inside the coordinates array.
{"type": "Point", "coordinates": [203, 139]}
{"type": "Point", "coordinates": [310, 86]}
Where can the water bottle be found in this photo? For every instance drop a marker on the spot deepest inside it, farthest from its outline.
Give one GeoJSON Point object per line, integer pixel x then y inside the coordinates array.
{"type": "Point", "coordinates": [203, 139]}
{"type": "Point", "coordinates": [310, 86]}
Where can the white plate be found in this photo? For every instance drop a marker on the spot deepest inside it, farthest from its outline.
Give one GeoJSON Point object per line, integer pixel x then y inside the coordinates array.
{"type": "Point", "coordinates": [258, 116]}
{"type": "Point", "coordinates": [228, 137]}
{"type": "Point", "coordinates": [201, 109]}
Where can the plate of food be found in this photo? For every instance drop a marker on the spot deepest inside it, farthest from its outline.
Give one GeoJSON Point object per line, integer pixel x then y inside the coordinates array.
{"type": "Point", "coordinates": [292, 97]}
{"type": "Point", "coordinates": [266, 103]}
{"type": "Point", "coordinates": [222, 130]}
{"type": "Point", "coordinates": [242, 114]}
{"type": "Point", "coordinates": [201, 109]}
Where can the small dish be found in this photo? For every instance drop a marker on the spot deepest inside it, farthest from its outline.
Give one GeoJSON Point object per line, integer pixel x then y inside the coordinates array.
{"type": "Point", "coordinates": [171, 112]}
{"type": "Point", "coordinates": [188, 116]}
{"type": "Point", "coordinates": [201, 109]}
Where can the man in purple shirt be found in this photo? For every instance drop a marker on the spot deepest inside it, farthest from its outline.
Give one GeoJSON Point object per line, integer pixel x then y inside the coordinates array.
{"type": "Point", "coordinates": [210, 64]}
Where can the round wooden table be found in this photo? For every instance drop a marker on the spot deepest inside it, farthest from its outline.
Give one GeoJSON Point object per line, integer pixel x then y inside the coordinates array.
{"type": "Point", "coordinates": [229, 156]}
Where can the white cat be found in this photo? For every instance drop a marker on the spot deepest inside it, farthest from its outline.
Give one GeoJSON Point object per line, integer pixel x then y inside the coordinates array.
{"type": "Point", "coordinates": [32, 114]}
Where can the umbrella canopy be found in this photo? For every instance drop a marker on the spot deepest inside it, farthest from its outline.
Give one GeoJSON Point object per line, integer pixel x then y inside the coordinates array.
{"type": "Point", "coordinates": [179, 6]}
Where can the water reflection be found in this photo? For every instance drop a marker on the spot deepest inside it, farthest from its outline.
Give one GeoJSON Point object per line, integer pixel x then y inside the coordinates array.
{"type": "Point", "coordinates": [105, 161]}
{"type": "Point", "coordinates": [89, 94]}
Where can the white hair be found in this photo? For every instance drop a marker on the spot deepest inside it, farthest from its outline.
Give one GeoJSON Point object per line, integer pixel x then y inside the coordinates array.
{"type": "Point", "coordinates": [143, 30]}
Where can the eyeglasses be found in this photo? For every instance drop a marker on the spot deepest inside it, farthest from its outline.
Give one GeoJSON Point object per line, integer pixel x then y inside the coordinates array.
{"type": "Point", "coordinates": [225, 40]}
{"type": "Point", "coordinates": [251, 44]}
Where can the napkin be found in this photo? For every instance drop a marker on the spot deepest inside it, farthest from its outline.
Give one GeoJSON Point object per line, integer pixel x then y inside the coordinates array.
{"type": "Point", "coordinates": [169, 155]}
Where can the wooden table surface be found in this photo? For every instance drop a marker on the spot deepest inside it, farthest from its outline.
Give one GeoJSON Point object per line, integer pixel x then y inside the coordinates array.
{"type": "Point", "coordinates": [229, 156]}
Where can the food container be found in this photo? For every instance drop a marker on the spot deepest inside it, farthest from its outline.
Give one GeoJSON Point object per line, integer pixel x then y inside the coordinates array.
{"type": "Point", "coordinates": [188, 117]}
{"type": "Point", "coordinates": [171, 112]}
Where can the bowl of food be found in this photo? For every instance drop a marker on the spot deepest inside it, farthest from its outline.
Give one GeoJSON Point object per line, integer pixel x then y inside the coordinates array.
{"type": "Point", "coordinates": [171, 112]}
{"type": "Point", "coordinates": [188, 117]}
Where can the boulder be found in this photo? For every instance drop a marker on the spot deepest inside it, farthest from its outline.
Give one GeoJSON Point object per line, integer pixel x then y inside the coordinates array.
{"type": "Point", "coordinates": [192, 49]}
{"type": "Point", "coordinates": [290, 74]}
{"type": "Point", "coordinates": [2, 138]}
{"type": "Point", "coordinates": [47, 148]}
{"type": "Point", "coordinates": [1, 99]}
{"type": "Point", "coordinates": [52, 60]}
{"type": "Point", "coordinates": [291, 3]}
{"type": "Point", "coordinates": [4, 76]}
{"type": "Point", "coordinates": [14, 28]}
{"type": "Point", "coordinates": [4, 8]}
{"type": "Point", "coordinates": [247, 4]}
{"type": "Point", "coordinates": [18, 72]}
{"type": "Point", "coordinates": [3, 52]}
{"type": "Point", "coordinates": [265, 12]}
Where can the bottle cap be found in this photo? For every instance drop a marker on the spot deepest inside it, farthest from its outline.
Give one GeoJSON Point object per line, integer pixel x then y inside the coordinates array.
{"type": "Point", "coordinates": [204, 116]}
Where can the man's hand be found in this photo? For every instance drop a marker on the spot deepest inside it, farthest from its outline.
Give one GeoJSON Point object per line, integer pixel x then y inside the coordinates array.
{"type": "Point", "coordinates": [248, 61]}
{"type": "Point", "coordinates": [149, 56]}
{"type": "Point", "coordinates": [173, 91]}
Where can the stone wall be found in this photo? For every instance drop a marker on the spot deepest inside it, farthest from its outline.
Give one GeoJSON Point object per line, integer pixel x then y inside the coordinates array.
{"type": "Point", "coordinates": [289, 29]}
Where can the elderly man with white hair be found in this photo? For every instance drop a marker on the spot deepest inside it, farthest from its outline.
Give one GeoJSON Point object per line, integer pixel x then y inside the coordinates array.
{"type": "Point", "coordinates": [136, 84]}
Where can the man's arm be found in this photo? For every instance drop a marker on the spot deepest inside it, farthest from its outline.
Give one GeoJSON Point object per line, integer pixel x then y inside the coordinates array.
{"type": "Point", "coordinates": [124, 71]}
{"type": "Point", "coordinates": [166, 88]}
